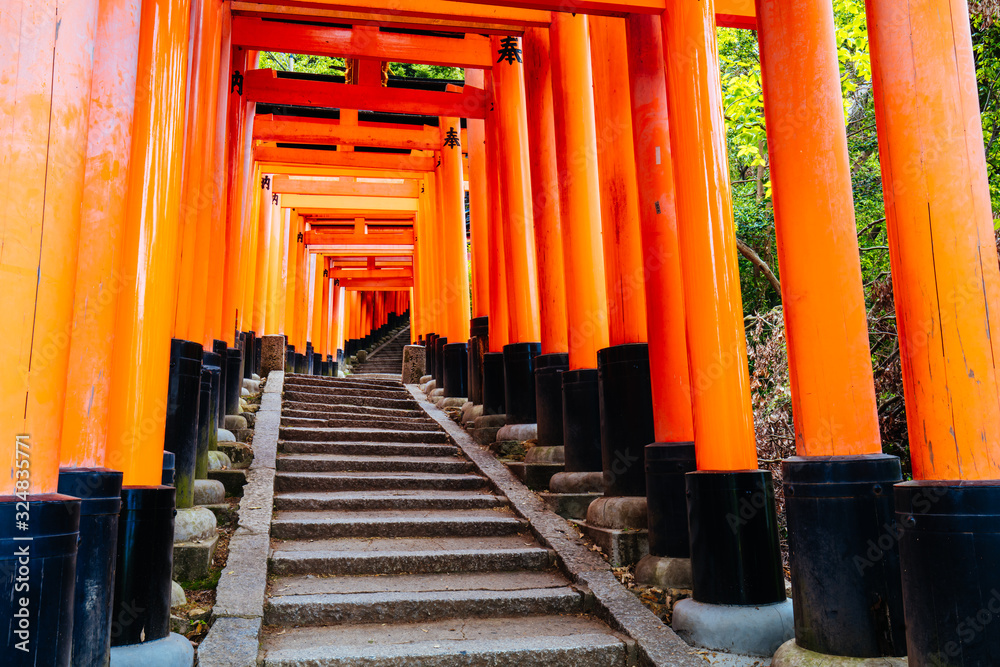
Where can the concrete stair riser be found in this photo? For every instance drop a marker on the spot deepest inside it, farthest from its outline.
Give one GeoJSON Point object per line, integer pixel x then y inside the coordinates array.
{"type": "Point", "coordinates": [367, 448]}
{"type": "Point", "coordinates": [332, 482]}
{"type": "Point", "coordinates": [326, 528]}
{"type": "Point", "coordinates": [328, 463]}
{"type": "Point", "coordinates": [363, 435]}
{"type": "Point", "coordinates": [388, 562]}
{"type": "Point", "coordinates": [360, 501]}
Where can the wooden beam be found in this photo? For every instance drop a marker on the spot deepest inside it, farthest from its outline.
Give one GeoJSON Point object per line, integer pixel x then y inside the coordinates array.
{"type": "Point", "coordinates": [296, 186]}
{"type": "Point", "coordinates": [264, 86]}
{"type": "Point", "coordinates": [437, 15]}
{"type": "Point", "coordinates": [346, 203]}
{"type": "Point", "coordinates": [349, 238]}
{"type": "Point", "coordinates": [364, 251]}
{"type": "Point", "coordinates": [269, 35]}
{"type": "Point", "coordinates": [371, 284]}
{"type": "Point", "coordinates": [331, 133]}
{"type": "Point", "coordinates": [379, 274]}
{"type": "Point", "coordinates": [354, 160]}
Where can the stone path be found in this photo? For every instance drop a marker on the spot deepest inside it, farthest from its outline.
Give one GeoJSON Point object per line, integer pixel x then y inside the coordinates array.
{"type": "Point", "coordinates": [389, 547]}
{"type": "Point", "coordinates": [388, 359]}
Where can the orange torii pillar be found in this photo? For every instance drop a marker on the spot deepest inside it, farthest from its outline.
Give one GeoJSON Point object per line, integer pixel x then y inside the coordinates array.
{"type": "Point", "coordinates": [234, 178]}
{"type": "Point", "coordinates": [292, 245]}
{"type": "Point", "coordinates": [275, 308]}
{"type": "Point", "coordinates": [479, 240]}
{"type": "Point", "coordinates": [45, 97]}
{"type": "Point", "coordinates": [580, 206]}
{"type": "Point", "coordinates": [672, 454]}
{"type": "Point", "coordinates": [319, 351]}
{"type": "Point", "coordinates": [946, 287]}
{"type": "Point", "coordinates": [265, 209]}
{"type": "Point", "coordinates": [431, 266]}
{"type": "Point", "coordinates": [140, 366]}
{"type": "Point", "coordinates": [840, 608]}
{"type": "Point", "coordinates": [554, 357]}
{"type": "Point", "coordinates": [498, 332]}
{"type": "Point", "coordinates": [320, 274]}
{"type": "Point", "coordinates": [735, 559]}
{"type": "Point", "coordinates": [623, 368]}
{"type": "Point", "coordinates": [456, 264]}
{"type": "Point", "coordinates": [519, 234]}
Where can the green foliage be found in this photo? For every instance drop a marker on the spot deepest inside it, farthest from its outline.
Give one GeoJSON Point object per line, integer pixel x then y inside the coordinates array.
{"type": "Point", "coordinates": [419, 71]}
{"type": "Point", "coordinates": [292, 62]}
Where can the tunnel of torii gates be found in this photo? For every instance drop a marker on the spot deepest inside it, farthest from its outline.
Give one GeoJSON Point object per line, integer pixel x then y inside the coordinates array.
{"type": "Point", "coordinates": [169, 203]}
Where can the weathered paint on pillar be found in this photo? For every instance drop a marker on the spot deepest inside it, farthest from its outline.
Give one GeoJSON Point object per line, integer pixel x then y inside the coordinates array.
{"type": "Point", "coordinates": [941, 243]}
{"type": "Point", "coordinates": [623, 261]}
{"type": "Point", "coordinates": [452, 231]}
{"type": "Point", "coordinates": [829, 361]}
{"type": "Point", "coordinates": [580, 201]}
{"type": "Point", "coordinates": [515, 183]}
{"type": "Point", "coordinates": [264, 211]}
{"type": "Point", "coordinates": [499, 334]}
{"type": "Point", "coordinates": [319, 266]}
{"type": "Point", "coordinates": [237, 177]}
{"type": "Point", "coordinates": [146, 303]}
{"type": "Point", "coordinates": [271, 324]}
{"type": "Point", "coordinates": [44, 106]}
{"type": "Point", "coordinates": [545, 191]}
{"type": "Point", "coordinates": [668, 359]}
{"type": "Point", "coordinates": [478, 217]}
{"type": "Point", "coordinates": [323, 343]}
{"type": "Point", "coordinates": [720, 383]}
{"type": "Point", "coordinates": [98, 270]}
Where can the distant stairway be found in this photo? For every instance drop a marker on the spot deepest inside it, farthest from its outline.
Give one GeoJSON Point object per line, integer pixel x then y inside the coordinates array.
{"type": "Point", "coordinates": [388, 359]}
{"type": "Point", "coordinates": [389, 548]}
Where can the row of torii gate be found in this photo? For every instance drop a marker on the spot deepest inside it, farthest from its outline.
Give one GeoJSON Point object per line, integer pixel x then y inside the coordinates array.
{"type": "Point", "coordinates": [161, 185]}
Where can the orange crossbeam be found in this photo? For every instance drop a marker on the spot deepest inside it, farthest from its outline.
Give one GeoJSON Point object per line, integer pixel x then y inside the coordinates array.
{"type": "Point", "coordinates": [298, 186]}
{"type": "Point", "coordinates": [383, 161]}
{"type": "Point", "coordinates": [264, 86]}
{"type": "Point", "coordinates": [338, 237]}
{"type": "Point", "coordinates": [372, 284]}
{"type": "Point", "coordinates": [330, 132]}
{"type": "Point", "coordinates": [378, 274]}
{"type": "Point", "coordinates": [268, 35]}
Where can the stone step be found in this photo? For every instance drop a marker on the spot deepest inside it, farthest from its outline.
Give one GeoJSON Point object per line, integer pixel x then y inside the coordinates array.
{"type": "Point", "coordinates": [319, 410]}
{"type": "Point", "coordinates": [386, 500]}
{"type": "Point", "coordinates": [360, 421]}
{"type": "Point", "coordinates": [415, 417]}
{"type": "Point", "coordinates": [356, 481]}
{"type": "Point", "coordinates": [367, 448]}
{"type": "Point", "coordinates": [410, 606]}
{"type": "Point", "coordinates": [395, 523]}
{"type": "Point", "coordinates": [332, 398]}
{"type": "Point", "coordinates": [368, 393]}
{"type": "Point", "coordinates": [414, 555]}
{"type": "Point", "coordinates": [364, 463]}
{"type": "Point", "coordinates": [328, 382]}
{"type": "Point", "coordinates": [361, 434]}
{"type": "Point", "coordinates": [533, 641]}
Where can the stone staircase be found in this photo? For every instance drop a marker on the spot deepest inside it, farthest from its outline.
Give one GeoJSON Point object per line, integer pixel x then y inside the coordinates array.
{"type": "Point", "coordinates": [390, 548]}
{"type": "Point", "coordinates": [388, 359]}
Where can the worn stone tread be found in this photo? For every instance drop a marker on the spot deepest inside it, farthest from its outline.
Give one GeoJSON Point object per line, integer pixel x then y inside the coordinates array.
{"type": "Point", "coordinates": [368, 463]}
{"type": "Point", "coordinates": [343, 481]}
{"type": "Point", "coordinates": [360, 448]}
{"type": "Point", "coordinates": [411, 523]}
{"type": "Point", "coordinates": [402, 499]}
{"type": "Point", "coordinates": [364, 434]}
{"type": "Point", "coordinates": [453, 581]}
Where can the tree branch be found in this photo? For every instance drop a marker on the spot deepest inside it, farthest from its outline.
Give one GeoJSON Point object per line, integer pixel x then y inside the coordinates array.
{"type": "Point", "coordinates": [755, 259]}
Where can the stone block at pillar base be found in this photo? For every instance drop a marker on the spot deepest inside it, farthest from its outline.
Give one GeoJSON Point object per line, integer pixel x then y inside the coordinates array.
{"type": "Point", "coordinates": [452, 402]}
{"type": "Point", "coordinates": [490, 421]}
{"type": "Point", "coordinates": [172, 651]}
{"type": "Point", "coordinates": [209, 492]}
{"type": "Point", "coordinates": [535, 476]}
{"type": "Point", "coordinates": [226, 435]}
{"type": "Point", "coordinates": [244, 435]}
{"type": "Point", "coordinates": [235, 422]}
{"type": "Point", "coordinates": [578, 482]}
{"type": "Point", "coordinates": [436, 393]}
{"type": "Point", "coordinates": [428, 387]}
{"type": "Point", "coordinates": [745, 630]}
{"type": "Point", "coordinates": [414, 357]}
{"type": "Point", "coordinates": [519, 432]}
{"type": "Point", "coordinates": [252, 386]}
{"type": "Point", "coordinates": [484, 436]}
{"type": "Point", "coordinates": [424, 379]}
{"type": "Point", "coordinates": [193, 560]}
{"type": "Point", "coordinates": [621, 547]}
{"type": "Point", "coordinates": [470, 413]}
{"type": "Point", "coordinates": [569, 505]}
{"type": "Point", "coordinates": [240, 454]}
{"type": "Point", "coordinates": [792, 655]}
{"type": "Point", "coordinates": [177, 596]}
{"type": "Point", "coordinates": [218, 460]}
{"type": "Point", "coordinates": [192, 524]}
{"type": "Point", "coordinates": [272, 354]}
{"type": "Point", "coordinates": [232, 480]}
{"type": "Point", "coordinates": [224, 512]}
{"type": "Point", "coordinates": [546, 454]}
{"type": "Point", "coordinates": [619, 512]}
{"type": "Point", "coordinates": [664, 572]}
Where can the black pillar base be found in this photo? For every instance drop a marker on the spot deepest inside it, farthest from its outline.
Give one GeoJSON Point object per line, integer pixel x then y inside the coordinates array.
{"type": "Point", "coordinates": [204, 424]}
{"type": "Point", "coordinates": [493, 384]}
{"type": "Point", "coordinates": [183, 407]}
{"type": "Point", "coordinates": [317, 364]}
{"type": "Point", "coordinates": [290, 358]}
{"type": "Point", "coordinates": [626, 398]}
{"type": "Point", "coordinates": [309, 359]}
{"type": "Point", "coordinates": [100, 491]}
{"type": "Point", "coordinates": [300, 362]}
{"type": "Point", "coordinates": [144, 567]}
{"type": "Point", "coordinates": [519, 373]}
{"type": "Point", "coordinates": [735, 559]}
{"type": "Point", "coordinates": [667, 463]}
{"type": "Point", "coordinates": [581, 413]}
{"type": "Point", "coordinates": [439, 344]}
{"type": "Point", "coordinates": [234, 380]}
{"type": "Point", "coordinates": [548, 397]}
{"type": "Point", "coordinates": [213, 362]}
{"type": "Point", "coordinates": [479, 344]}
{"type": "Point", "coordinates": [949, 549]}
{"type": "Point", "coordinates": [456, 370]}
{"type": "Point", "coordinates": [247, 339]}
{"type": "Point", "coordinates": [430, 362]}
{"type": "Point", "coordinates": [221, 349]}
{"type": "Point", "coordinates": [842, 539]}
{"type": "Point", "coordinates": [41, 572]}
{"type": "Point", "coordinates": [257, 343]}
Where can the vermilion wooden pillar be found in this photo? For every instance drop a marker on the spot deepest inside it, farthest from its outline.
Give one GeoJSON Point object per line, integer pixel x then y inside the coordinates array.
{"type": "Point", "coordinates": [829, 361]}
{"type": "Point", "coordinates": [322, 343]}
{"type": "Point", "coordinates": [576, 146]}
{"type": "Point", "coordinates": [275, 308]}
{"type": "Point", "coordinates": [109, 143]}
{"type": "Point", "coordinates": [478, 203]}
{"type": "Point", "coordinates": [319, 265]}
{"type": "Point", "coordinates": [731, 567]}
{"type": "Point", "coordinates": [146, 302]}
{"type": "Point", "coordinates": [260, 267]}
{"type": "Point", "coordinates": [44, 105]}
{"type": "Point", "coordinates": [236, 180]}
{"type": "Point", "coordinates": [499, 326]}
{"type": "Point", "coordinates": [452, 232]}
{"type": "Point", "coordinates": [946, 286]}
